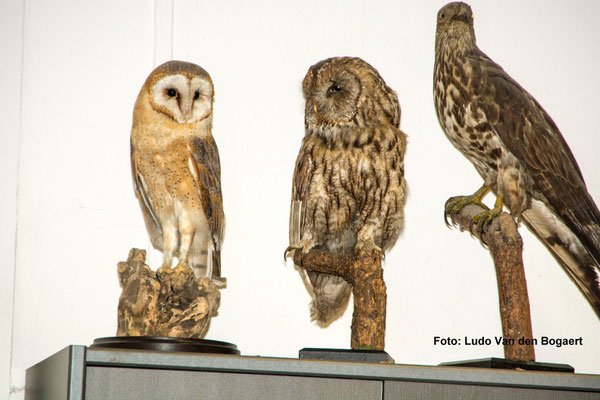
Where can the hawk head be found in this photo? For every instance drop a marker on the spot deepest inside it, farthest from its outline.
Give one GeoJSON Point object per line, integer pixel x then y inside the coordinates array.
{"type": "Point", "coordinates": [455, 26]}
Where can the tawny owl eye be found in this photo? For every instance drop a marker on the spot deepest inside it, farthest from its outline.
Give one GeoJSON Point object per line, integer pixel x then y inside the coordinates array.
{"type": "Point", "coordinates": [442, 16]}
{"type": "Point", "coordinates": [335, 88]}
{"type": "Point", "coordinates": [196, 95]}
{"type": "Point", "coordinates": [171, 92]}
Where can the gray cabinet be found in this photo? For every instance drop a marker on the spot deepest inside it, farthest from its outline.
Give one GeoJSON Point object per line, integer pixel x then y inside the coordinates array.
{"type": "Point", "coordinates": [78, 372]}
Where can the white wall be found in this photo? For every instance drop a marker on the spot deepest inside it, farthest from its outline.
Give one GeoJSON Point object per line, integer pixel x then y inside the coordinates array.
{"type": "Point", "coordinates": [83, 65]}
{"type": "Point", "coordinates": [11, 20]}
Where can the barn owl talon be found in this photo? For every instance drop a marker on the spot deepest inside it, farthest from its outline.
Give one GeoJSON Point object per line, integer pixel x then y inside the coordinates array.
{"type": "Point", "coordinates": [182, 268]}
{"type": "Point", "coordinates": [163, 269]}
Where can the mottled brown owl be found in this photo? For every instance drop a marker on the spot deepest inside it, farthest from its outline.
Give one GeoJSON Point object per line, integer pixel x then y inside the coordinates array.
{"type": "Point", "coordinates": [348, 190]}
{"type": "Point", "coordinates": [176, 169]}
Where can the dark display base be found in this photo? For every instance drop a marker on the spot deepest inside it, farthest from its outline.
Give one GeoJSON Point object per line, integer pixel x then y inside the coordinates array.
{"type": "Point", "coordinates": [166, 344]}
{"type": "Point", "coordinates": [370, 356]}
{"type": "Point", "coordinates": [502, 363]}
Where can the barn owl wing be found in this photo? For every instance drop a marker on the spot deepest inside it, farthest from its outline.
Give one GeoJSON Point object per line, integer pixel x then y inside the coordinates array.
{"type": "Point", "coordinates": [205, 167]}
{"type": "Point", "coordinates": [141, 192]}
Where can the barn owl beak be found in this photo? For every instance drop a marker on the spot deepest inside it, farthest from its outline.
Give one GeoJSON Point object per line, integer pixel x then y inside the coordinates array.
{"type": "Point", "coordinates": [186, 110]}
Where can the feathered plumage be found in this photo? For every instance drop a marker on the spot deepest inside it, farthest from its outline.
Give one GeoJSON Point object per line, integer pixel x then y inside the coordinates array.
{"type": "Point", "coordinates": [517, 149]}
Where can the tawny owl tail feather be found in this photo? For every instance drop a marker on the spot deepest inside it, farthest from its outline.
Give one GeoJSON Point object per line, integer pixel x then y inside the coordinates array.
{"type": "Point", "coordinates": [330, 300]}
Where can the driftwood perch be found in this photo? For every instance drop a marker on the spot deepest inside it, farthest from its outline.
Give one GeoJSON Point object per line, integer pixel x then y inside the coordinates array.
{"type": "Point", "coordinates": [502, 238]}
{"type": "Point", "coordinates": [365, 274]}
{"type": "Point", "coordinates": [172, 304]}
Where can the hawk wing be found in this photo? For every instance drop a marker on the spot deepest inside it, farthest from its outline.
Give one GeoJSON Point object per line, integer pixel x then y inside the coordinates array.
{"type": "Point", "coordinates": [530, 134]}
{"type": "Point", "coordinates": [205, 167]}
{"type": "Point", "coordinates": [532, 137]}
{"type": "Point", "coordinates": [153, 225]}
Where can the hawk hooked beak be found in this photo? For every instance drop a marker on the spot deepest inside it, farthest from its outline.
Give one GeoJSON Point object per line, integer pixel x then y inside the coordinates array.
{"type": "Point", "coordinates": [462, 16]}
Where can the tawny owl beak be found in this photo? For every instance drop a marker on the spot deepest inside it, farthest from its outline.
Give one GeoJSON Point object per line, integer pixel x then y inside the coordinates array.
{"type": "Point", "coordinates": [316, 114]}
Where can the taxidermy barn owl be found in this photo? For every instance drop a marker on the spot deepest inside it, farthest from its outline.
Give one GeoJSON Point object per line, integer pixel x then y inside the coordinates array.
{"type": "Point", "coordinates": [348, 189]}
{"type": "Point", "coordinates": [176, 169]}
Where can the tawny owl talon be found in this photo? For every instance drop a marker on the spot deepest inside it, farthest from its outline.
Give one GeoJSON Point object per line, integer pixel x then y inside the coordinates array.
{"type": "Point", "coordinates": [367, 248]}
{"type": "Point", "coordinates": [289, 250]}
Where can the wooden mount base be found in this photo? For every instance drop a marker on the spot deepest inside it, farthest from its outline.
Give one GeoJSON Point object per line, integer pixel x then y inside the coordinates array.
{"type": "Point", "coordinates": [504, 242]}
{"type": "Point", "coordinates": [170, 304]}
{"type": "Point", "coordinates": [365, 274]}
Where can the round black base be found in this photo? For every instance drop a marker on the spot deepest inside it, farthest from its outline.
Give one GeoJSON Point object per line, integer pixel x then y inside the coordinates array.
{"type": "Point", "coordinates": [158, 343]}
{"type": "Point", "coordinates": [503, 363]}
{"type": "Point", "coordinates": [366, 356]}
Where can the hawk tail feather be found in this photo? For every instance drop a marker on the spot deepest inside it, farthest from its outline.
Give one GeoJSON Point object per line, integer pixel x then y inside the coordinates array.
{"type": "Point", "coordinates": [574, 257]}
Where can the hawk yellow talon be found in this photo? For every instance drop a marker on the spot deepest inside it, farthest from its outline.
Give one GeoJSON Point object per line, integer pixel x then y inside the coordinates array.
{"type": "Point", "coordinates": [457, 203]}
{"type": "Point", "coordinates": [483, 219]}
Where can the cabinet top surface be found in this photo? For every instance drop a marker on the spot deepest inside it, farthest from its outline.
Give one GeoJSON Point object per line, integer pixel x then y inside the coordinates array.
{"type": "Point", "coordinates": [371, 371]}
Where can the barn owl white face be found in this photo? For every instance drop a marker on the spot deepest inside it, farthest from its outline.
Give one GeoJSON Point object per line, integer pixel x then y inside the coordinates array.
{"type": "Point", "coordinates": [183, 99]}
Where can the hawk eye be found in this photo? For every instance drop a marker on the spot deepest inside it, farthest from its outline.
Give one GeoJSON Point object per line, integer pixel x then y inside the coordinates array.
{"type": "Point", "coordinates": [196, 95]}
{"type": "Point", "coordinates": [335, 88]}
{"type": "Point", "coordinates": [171, 92]}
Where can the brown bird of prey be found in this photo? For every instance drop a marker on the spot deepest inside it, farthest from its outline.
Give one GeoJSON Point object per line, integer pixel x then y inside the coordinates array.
{"type": "Point", "coordinates": [516, 148]}
{"type": "Point", "coordinates": [348, 189]}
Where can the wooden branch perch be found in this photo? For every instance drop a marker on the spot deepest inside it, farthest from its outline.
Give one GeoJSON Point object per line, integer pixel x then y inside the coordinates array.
{"type": "Point", "coordinates": [506, 247]}
{"type": "Point", "coordinates": [365, 274]}
{"type": "Point", "coordinates": [172, 304]}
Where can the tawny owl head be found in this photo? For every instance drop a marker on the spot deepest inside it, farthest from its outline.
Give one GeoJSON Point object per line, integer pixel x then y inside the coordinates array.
{"type": "Point", "coordinates": [182, 91]}
{"type": "Point", "coordinates": [455, 21]}
{"type": "Point", "coordinates": [347, 91]}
